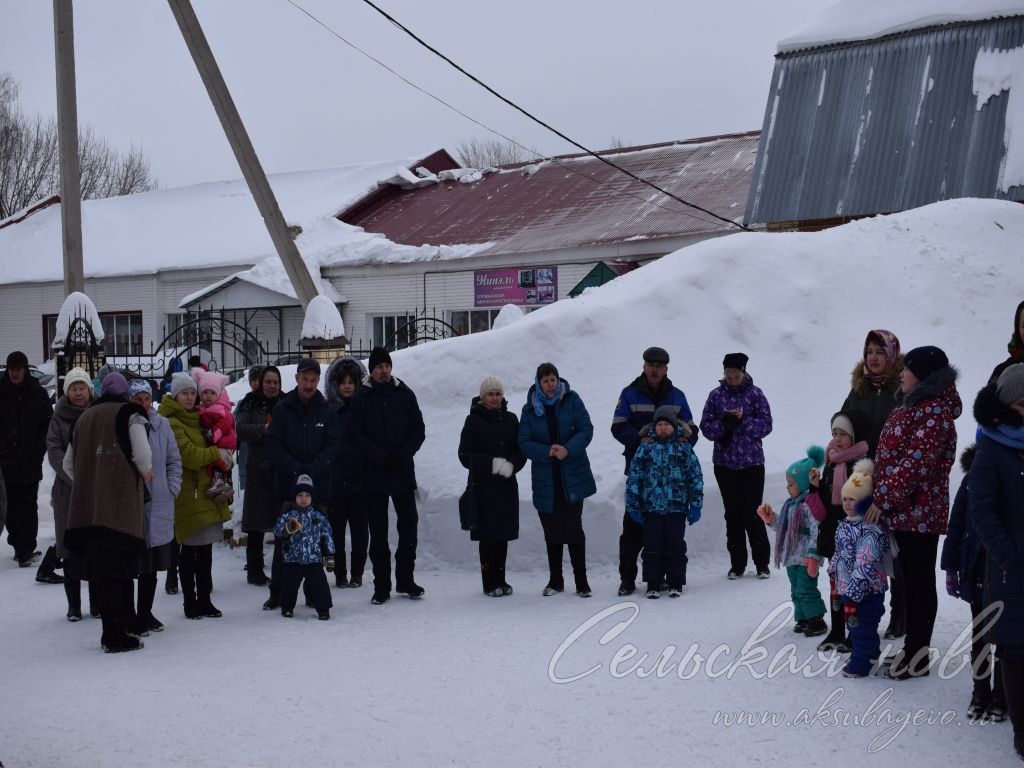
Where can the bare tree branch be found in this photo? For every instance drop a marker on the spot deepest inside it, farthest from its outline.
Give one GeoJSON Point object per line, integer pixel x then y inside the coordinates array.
{"type": "Point", "coordinates": [482, 153]}
{"type": "Point", "coordinates": [30, 159]}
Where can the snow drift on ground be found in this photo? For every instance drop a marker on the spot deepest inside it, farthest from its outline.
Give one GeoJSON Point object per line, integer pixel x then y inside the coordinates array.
{"type": "Point", "coordinates": [462, 679]}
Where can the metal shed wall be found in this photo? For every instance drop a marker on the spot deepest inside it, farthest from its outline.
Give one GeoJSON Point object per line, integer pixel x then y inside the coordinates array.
{"type": "Point", "coordinates": [881, 126]}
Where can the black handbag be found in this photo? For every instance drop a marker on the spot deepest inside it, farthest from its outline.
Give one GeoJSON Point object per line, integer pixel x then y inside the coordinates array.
{"type": "Point", "coordinates": [468, 517]}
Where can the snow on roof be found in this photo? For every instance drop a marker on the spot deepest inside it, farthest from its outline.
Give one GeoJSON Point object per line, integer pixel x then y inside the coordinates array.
{"type": "Point", "coordinates": [852, 20]}
{"type": "Point", "coordinates": [206, 225]}
{"type": "Point", "coordinates": [574, 201]}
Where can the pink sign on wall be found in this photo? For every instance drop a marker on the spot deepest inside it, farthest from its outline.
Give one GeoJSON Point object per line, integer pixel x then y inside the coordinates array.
{"type": "Point", "coordinates": [497, 287]}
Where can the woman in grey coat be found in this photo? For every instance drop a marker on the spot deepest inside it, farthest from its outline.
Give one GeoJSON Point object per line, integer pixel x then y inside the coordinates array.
{"type": "Point", "coordinates": [158, 511]}
{"type": "Point", "coordinates": [76, 398]}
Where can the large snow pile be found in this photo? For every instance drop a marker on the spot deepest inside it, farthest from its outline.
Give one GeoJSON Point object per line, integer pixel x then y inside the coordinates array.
{"type": "Point", "coordinates": [322, 320]}
{"type": "Point", "coordinates": [851, 20]}
{"type": "Point", "coordinates": [78, 306]}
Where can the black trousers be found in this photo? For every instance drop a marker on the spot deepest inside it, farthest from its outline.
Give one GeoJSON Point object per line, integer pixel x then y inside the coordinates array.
{"type": "Point", "coordinates": [492, 563]}
{"type": "Point", "coordinates": [318, 592]}
{"type": "Point", "coordinates": [117, 606]}
{"type": "Point", "coordinates": [22, 518]}
{"type": "Point", "coordinates": [665, 550]}
{"type": "Point", "coordinates": [917, 557]}
{"type": "Point", "coordinates": [631, 542]}
{"type": "Point", "coordinates": [407, 519]}
{"type": "Point", "coordinates": [742, 492]}
{"type": "Point", "coordinates": [350, 511]}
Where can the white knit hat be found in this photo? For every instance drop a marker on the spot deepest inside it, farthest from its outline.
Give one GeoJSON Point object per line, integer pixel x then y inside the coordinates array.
{"type": "Point", "coordinates": [860, 484]}
{"type": "Point", "coordinates": [180, 382]}
{"type": "Point", "coordinates": [491, 384]}
{"type": "Point", "coordinates": [77, 375]}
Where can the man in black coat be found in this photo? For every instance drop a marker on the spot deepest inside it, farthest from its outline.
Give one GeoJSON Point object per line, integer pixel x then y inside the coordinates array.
{"type": "Point", "coordinates": [303, 439]}
{"type": "Point", "coordinates": [387, 427]}
{"type": "Point", "coordinates": [635, 410]}
{"type": "Point", "coordinates": [25, 413]}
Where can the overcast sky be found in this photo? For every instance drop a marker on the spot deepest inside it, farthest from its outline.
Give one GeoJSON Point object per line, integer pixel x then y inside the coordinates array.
{"type": "Point", "coordinates": [640, 71]}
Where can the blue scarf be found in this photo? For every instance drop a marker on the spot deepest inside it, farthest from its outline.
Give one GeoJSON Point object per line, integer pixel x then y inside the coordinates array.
{"type": "Point", "coordinates": [1012, 437]}
{"type": "Point", "coordinates": [540, 399]}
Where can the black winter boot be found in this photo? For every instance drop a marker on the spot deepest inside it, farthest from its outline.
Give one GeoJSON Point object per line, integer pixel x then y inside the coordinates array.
{"type": "Point", "coordinates": [255, 568]}
{"type": "Point", "coordinates": [578, 558]}
{"type": "Point", "coordinates": [204, 582]}
{"type": "Point", "coordinates": [187, 575]}
{"type": "Point", "coordinates": [46, 574]}
{"type": "Point", "coordinates": [73, 592]}
{"type": "Point", "coordinates": [556, 582]}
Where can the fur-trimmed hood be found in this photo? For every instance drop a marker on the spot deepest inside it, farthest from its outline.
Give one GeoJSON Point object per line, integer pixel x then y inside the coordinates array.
{"type": "Point", "coordinates": [861, 384]}
{"type": "Point", "coordinates": [967, 457]}
{"type": "Point", "coordinates": [991, 413]}
{"type": "Point", "coordinates": [935, 385]}
{"type": "Point", "coordinates": [339, 366]}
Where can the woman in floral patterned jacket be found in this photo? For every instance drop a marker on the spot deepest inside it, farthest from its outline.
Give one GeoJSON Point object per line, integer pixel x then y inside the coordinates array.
{"type": "Point", "coordinates": [916, 451]}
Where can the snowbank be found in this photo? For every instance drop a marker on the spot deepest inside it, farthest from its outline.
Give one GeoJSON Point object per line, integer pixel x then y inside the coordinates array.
{"type": "Point", "coordinates": [799, 304]}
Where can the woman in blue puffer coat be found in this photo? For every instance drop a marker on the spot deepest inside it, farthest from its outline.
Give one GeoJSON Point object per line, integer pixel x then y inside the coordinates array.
{"type": "Point", "coordinates": [997, 509]}
{"type": "Point", "coordinates": [554, 432]}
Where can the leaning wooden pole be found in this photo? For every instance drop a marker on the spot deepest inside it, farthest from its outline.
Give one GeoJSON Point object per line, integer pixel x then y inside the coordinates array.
{"type": "Point", "coordinates": [237, 137]}
{"type": "Point", "coordinates": [67, 136]}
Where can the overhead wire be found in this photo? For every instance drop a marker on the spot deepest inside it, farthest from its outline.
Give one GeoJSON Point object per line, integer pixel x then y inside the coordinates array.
{"type": "Point", "coordinates": [539, 156]}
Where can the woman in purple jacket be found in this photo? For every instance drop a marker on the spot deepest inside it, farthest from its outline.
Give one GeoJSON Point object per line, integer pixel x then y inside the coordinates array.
{"type": "Point", "coordinates": [736, 418]}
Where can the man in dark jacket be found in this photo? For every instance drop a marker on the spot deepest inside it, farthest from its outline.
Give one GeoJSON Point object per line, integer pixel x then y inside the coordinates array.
{"type": "Point", "coordinates": [635, 410]}
{"type": "Point", "coordinates": [303, 439]}
{"type": "Point", "coordinates": [387, 427]}
{"type": "Point", "coordinates": [25, 413]}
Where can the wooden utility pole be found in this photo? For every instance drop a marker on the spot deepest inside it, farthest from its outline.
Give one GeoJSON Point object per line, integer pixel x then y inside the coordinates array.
{"type": "Point", "coordinates": [237, 137]}
{"type": "Point", "coordinates": [67, 134]}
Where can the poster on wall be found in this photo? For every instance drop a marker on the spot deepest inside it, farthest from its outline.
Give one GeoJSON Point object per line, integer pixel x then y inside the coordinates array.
{"type": "Point", "coordinates": [531, 286]}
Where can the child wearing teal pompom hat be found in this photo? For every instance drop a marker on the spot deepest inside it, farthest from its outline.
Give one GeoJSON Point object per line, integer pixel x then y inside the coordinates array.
{"type": "Point", "coordinates": [796, 536]}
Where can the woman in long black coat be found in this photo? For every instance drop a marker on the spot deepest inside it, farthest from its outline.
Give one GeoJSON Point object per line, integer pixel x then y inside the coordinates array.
{"type": "Point", "coordinates": [489, 449]}
{"type": "Point", "coordinates": [260, 506]}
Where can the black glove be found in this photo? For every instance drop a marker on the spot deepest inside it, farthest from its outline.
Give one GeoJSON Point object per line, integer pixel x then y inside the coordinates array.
{"type": "Point", "coordinates": [329, 563]}
{"type": "Point", "coordinates": [730, 421]}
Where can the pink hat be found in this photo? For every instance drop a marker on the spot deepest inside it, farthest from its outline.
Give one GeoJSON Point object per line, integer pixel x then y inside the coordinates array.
{"type": "Point", "coordinates": [211, 380]}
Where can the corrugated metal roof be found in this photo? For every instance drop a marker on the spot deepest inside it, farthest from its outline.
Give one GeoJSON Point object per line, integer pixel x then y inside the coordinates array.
{"type": "Point", "coordinates": [574, 201]}
{"type": "Point", "coordinates": [881, 126]}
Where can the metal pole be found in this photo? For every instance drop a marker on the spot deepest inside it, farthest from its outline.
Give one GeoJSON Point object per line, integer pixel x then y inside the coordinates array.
{"type": "Point", "coordinates": [237, 137]}
{"type": "Point", "coordinates": [67, 133]}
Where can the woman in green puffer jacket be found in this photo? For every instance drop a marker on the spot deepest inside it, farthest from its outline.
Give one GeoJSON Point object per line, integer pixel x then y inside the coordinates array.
{"type": "Point", "coordinates": [198, 519]}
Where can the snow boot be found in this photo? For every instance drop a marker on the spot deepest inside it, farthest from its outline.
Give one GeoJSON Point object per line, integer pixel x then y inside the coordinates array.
{"type": "Point", "coordinates": [1013, 688]}
{"type": "Point", "coordinates": [815, 627]}
{"type": "Point", "coordinates": [627, 588]}
{"type": "Point", "coordinates": [46, 574]}
{"type": "Point", "coordinates": [578, 558]}
{"type": "Point", "coordinates": [73, 592]}
{"type": "Point", "coordinates": [556, 582]}
{"type": "Point", "coordinates": [187, 576]}
{"type": "Point", "coordinates": [204, 583]}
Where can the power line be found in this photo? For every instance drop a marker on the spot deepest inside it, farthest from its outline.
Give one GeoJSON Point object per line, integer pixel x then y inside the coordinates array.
{"type": "Point", "coordinates": [529, 150]}
{"type": "Point", "coordinates": [540, 122]}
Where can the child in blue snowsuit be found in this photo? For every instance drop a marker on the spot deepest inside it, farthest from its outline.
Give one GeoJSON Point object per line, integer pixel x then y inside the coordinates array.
{"type": "Point", "coordinates": [859, 570]}
{"type": "Point", "coordinates": [308, 547]}
{"type": "Point", "coordinates": [796, 540]}
{"type": "Point", "coordinates": [664, 490]}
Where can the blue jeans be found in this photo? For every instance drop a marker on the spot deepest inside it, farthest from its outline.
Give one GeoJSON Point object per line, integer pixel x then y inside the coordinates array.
{"type": "Point", "coordinates": [863, 627]}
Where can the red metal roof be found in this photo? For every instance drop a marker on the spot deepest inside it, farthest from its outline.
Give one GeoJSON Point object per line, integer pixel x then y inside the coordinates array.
{"type": "Point", "coordinates": [573, 200]}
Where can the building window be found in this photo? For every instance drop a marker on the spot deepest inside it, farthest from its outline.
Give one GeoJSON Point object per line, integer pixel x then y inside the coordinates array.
{"type": "Point", "coordinates": [472, 320]}
{"type": "Point", "coordinates": [394, 331]}
{"type": "Point", "coordinates": [122, 330]}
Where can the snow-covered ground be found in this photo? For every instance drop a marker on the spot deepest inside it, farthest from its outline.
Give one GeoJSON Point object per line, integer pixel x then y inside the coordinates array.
{"type": "Point", "coordinates": [461, 679]}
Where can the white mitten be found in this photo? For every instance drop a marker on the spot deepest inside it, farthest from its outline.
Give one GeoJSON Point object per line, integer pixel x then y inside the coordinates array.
{"type": "Point", "coordinates": [500, 466]}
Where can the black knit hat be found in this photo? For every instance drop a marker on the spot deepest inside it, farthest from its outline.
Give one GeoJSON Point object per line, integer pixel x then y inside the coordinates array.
{"type": "Point", "coordinates": [735, 360]}
{"type": "Point", "coordinates": [303, 484]}
{"type": "Point", "coordinates": [17, 360]}
{"type": "Point", "coordinates": [379, 355]}
{"type": "Point", "coordinates": [924, 361]}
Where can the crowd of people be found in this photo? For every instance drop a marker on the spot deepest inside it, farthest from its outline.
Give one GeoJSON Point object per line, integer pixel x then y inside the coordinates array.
{"type": "Point", "coordinates": [143, 486]}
